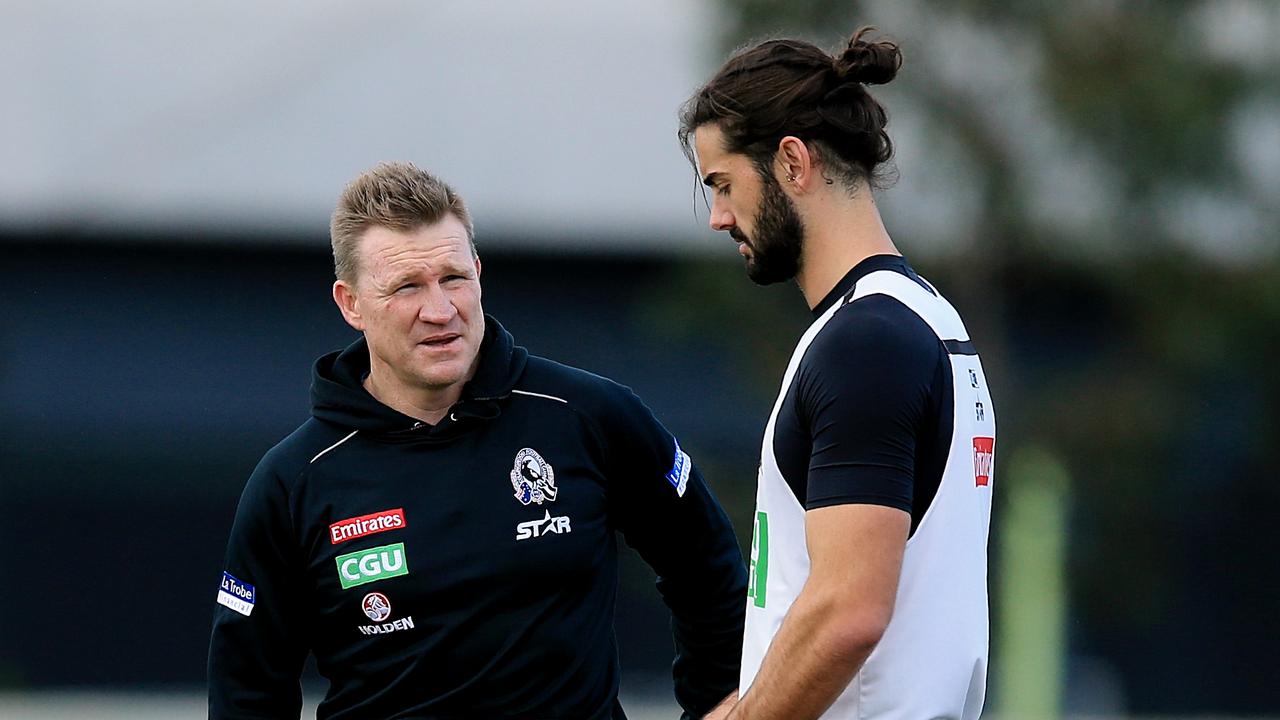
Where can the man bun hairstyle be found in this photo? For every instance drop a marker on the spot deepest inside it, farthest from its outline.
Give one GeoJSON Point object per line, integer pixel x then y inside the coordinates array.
{"type": "Point", "coordinates": [792, 87]}
{"type": "Point", "coordinates": [399, 196]}
{"type": "Point", "coordinates": [869, 63]}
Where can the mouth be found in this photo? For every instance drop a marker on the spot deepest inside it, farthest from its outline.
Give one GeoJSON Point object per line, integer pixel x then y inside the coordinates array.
{"type": "Point", "coordinates": [442, 341]}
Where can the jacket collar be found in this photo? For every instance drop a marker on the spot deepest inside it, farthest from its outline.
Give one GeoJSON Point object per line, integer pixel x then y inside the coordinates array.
{"type": "Point", "coordinates": [338, 394]}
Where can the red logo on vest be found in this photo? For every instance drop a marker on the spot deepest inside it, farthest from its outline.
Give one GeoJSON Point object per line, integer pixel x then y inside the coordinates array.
{"type": "Point", "coordinates": [984, 451]}
{"type": "Point", "coordinates": [355, 527]}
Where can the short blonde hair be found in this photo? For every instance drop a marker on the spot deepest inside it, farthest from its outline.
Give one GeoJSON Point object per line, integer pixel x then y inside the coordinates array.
{"type": "Point", "coordinates": [399, 196]}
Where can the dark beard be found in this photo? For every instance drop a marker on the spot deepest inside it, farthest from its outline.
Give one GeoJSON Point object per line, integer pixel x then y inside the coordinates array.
{"type": "Point", "coordinates": [778, 236]}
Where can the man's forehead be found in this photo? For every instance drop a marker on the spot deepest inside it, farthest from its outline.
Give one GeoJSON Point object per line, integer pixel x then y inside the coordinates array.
{"type": "Point", "coordinates": [436, 246]}
{"type": "Point", "coordinates": [447, 233]}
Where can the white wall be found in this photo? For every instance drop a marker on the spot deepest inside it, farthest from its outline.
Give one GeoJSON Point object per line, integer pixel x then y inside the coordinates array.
{"type": "Point", "coordinates": [555, 118]}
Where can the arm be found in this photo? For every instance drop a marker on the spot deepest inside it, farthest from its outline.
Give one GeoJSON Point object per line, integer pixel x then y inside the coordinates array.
{"type": "Point", "coordinates": [255, 660]}
{"type": "Point", "coordinates": [856, 554]}
{"type": "Point", "coordinates": [665, 510]}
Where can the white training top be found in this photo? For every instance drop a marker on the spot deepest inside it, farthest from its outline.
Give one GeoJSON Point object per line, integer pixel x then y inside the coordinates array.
{"type": "Point", "coordinates": [932, 659]}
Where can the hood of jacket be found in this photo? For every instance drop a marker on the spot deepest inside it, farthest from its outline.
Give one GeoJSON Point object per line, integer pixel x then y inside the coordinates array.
{"type": "Point", "coordinates": [338, 394]}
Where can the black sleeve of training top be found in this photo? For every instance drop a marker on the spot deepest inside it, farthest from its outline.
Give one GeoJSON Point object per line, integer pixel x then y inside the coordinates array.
{"type": "Point", "coordinates": [665, 510]}
{"type": "Point", "coordinates": [255, 660]}
{"type": "Point", "coordinates": [866, 389]}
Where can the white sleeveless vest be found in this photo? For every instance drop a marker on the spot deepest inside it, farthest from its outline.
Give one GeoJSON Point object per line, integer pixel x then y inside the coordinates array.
{"type": "Point", "coordinates": [932, 660]}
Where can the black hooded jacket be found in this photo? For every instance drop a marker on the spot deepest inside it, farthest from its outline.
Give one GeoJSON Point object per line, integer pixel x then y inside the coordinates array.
{"type": "Point", "coordinates": [468, 569]}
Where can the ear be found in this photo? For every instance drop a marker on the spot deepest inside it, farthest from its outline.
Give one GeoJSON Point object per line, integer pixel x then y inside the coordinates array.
{"type": "Point", "coordinates": [795, 163]}
{"type": "Point", "coordinates": [344, 296]}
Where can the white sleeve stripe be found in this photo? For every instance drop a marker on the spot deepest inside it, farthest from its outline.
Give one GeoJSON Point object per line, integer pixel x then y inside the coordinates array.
{"type": "Point", "coordinates": [534, 394]}
{"type": "Point", "coordinates": [322, 452]}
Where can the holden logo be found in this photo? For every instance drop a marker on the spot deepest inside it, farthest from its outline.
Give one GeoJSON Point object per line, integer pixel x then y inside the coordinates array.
{"type": "Point", "coordinates": [376, 606]}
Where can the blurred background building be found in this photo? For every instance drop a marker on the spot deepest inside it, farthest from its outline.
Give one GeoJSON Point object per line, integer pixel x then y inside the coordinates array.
{"type": "Point", "coordinates": [1096, 185]}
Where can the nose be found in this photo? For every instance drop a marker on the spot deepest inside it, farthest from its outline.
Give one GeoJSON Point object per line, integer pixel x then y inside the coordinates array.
{"type": "Point", "coordinates": [721, 217]}
{"type": "Point", "coordinates": [436, 308]}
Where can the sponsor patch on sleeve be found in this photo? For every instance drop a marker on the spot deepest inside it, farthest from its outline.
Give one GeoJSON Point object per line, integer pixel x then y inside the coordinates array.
{"type": "Point", "coordinates": [678, 475]}
{"type": "Point", "coordinates": [236, 594]}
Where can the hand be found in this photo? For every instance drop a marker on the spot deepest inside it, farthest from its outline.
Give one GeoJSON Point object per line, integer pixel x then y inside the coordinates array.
{"type": "Point", "coordinates": [721, 711]}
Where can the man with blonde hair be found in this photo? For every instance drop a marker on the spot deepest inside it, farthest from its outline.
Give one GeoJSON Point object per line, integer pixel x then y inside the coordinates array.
{"type": "Point", "coordinates": [440, 533]}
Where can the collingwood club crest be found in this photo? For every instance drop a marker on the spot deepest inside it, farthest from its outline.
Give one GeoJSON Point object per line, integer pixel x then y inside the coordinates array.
{"type": "Point", "coordinates": [532, 478]}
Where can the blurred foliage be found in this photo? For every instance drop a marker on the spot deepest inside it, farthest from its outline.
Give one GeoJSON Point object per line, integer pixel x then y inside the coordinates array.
{"type": "Point", "coordinates": [1130, 344]}
{"type": "Point", "coordinates": [1122, 80]}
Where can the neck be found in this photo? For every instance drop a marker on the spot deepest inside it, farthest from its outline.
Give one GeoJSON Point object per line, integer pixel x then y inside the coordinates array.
{"type": "Point", "coordinates": [840, 232]}
{"type": "Point", "coordinates": [426, 404]}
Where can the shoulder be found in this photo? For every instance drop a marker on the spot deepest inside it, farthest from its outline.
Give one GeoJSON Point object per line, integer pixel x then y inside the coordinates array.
{"type": "Point", "coordinates": [582, 391]}
{"type": "Point", "coordinates": [873, 347]}
{"type": "Point", "coordinates": [616, 416]}
{"type": "Point", "coordinates": [875, 326]}
{"type": "Point", "coordinates": [288, 459]}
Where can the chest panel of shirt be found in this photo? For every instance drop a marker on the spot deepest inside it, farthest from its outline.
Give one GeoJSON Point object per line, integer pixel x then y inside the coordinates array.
{"type": "Point", "coordinates": [793, 440]}
{"type": "Point", "coordinates": [471, 548]}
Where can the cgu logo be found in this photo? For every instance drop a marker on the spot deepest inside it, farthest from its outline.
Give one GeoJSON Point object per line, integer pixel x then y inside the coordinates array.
{"type": "Point", "coordinates": [984, 450]}
{"type": "Point", "coordinates": [365, 566]}
{"type": "Point", "coordinates": [546, 526]}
